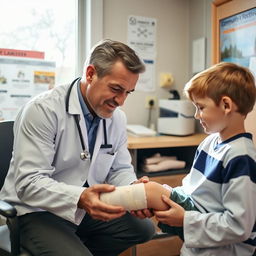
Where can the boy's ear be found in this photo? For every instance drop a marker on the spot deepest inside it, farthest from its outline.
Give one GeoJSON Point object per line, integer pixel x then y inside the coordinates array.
{"type": "Point", "coordinates": [227, 104]}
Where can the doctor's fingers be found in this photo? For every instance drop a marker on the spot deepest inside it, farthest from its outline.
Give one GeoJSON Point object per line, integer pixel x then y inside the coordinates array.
{"type": "Point", "coordinates": [108, 208]}
{"type": "Point", "coordinates": [106, 216]}
{"type": "Point", "coordinates": [91, 195]}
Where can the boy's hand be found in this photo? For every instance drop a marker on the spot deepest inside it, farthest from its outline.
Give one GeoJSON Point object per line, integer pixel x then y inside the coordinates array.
{"type": "Point", "coordinates": [172, 217]}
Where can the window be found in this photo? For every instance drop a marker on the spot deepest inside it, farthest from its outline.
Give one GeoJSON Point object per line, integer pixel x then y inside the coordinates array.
{"type": "Point", "coordinates": [48, 26]}
{"type": "Point", "coordinates": [64, 30]}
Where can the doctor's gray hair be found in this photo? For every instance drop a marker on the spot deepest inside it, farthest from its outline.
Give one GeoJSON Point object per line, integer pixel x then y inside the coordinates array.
{"type": "Point", "coordinates": [107, 52]}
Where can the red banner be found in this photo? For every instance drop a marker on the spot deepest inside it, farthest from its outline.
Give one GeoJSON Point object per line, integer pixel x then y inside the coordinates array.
{"type": "Point", "coordinates": [21, 53]}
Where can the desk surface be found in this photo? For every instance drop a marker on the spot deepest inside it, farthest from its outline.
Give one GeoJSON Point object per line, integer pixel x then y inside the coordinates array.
{"type": "Point", "coordinates": [165, 141]}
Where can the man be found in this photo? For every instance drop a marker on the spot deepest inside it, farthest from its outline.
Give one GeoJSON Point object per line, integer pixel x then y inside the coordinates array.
{"type": "Point", "coordinates": [69, 146]}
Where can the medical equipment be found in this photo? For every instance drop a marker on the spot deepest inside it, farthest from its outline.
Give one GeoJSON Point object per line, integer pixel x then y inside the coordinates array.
{"type": "Point", "coordinates": [85, 154]}
{"type": "Point", "coordinates": [176, 117]}
{"type": "Point", "coordinates": [138, 130]}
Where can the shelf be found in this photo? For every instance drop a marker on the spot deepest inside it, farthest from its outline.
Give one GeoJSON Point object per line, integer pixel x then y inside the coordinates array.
{"type": "Point", "coordinates": [163, 173]}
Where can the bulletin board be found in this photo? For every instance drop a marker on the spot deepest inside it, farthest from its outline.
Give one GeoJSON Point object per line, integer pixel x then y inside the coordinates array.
{"type": "Point", "coordinates": [234, 24]}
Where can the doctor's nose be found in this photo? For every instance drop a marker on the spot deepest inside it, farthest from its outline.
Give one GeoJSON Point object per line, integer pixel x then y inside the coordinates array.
{"type": "Point", "coordinates": [120, 99]}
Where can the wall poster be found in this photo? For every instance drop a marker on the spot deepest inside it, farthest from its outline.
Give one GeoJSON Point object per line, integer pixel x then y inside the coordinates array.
{"type": "Point", "coordinates": [238, 39]}
{"type": "Point", "coordinates": [142, 38]}
{"type": "Point", "coordinates": [20, 80]}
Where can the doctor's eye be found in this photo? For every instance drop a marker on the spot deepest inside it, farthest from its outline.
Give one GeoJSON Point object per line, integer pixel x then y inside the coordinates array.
{"type": "Point", "coordinates": [115, 89]}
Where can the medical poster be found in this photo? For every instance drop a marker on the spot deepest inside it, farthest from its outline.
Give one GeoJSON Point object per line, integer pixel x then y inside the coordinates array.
{"type": "Point", "coordinates": [142, 34]}
{"type": "Point", "coordinates": [20, 80]}
{"type": "Point", "coordinates": [142, 39]}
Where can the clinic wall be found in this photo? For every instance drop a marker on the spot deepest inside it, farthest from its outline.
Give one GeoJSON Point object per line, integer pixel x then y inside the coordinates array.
{"type": "Point", "coordinates": [172, 44]}
{"type": "Point", "coordinates": [200, 25]}
{"type": "Point", "coordinates": [178, 22]}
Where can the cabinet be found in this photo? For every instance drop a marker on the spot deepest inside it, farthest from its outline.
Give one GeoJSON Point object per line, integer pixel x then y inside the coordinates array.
{"type": "Point", "coordinates": [184, 149]}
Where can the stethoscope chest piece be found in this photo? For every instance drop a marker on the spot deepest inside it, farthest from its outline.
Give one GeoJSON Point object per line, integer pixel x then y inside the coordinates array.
{"type": "Point", "coordinates": [85, 155]}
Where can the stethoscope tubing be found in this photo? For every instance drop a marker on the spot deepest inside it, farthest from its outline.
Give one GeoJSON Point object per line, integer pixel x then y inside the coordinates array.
{"type": "Point", "coordinates": [85, 154]}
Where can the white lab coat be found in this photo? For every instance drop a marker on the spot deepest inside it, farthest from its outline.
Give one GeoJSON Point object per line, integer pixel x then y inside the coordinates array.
{"type": "Point", "coordinates": [46, 172]}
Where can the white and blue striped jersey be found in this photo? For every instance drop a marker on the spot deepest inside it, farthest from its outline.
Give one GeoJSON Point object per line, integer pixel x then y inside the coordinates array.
{"type": "Point", "coordinates": [222, 185]}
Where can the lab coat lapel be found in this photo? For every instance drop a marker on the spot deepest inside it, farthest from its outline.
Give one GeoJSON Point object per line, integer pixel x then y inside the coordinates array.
{"type": "Point", "coordinates": [75, 109]}
{"type": "Point", "coordinates": [100, 137]}
{"type": "Point", "coordinates": [98, 142]}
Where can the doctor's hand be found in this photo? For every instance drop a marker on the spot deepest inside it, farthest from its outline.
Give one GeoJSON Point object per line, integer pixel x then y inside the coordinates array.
{"type": "Point", "coordinates": [90, 202]}
{"type": "Point", "coordinates": [174, 216]}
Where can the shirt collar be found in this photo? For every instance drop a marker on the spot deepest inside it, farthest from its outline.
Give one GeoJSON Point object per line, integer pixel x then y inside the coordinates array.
{"type": "Point", "coordinates": [86, 112]}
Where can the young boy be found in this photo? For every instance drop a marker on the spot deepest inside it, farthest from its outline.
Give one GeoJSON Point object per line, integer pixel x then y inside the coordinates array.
{"type": "Point", "coordinates": [220, 187]}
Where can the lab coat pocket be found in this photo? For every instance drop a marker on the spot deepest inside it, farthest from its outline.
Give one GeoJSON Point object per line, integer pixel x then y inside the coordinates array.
{"type": "Point", "coordinates": [102, 166]}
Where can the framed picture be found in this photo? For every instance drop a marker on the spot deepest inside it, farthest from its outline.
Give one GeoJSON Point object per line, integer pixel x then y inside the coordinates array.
{"type": "Point", "coordinates": [234, 30]}
{"type": "Point", "coordinates": [234, 39]}
{"type": "Point", "coordinates": [238, 39]}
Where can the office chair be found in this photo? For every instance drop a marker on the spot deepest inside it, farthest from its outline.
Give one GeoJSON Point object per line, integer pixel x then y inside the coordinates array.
{"type": "Point", "coordinates": [6, 209]}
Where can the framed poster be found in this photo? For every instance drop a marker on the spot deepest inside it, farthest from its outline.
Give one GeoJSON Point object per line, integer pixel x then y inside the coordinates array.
{"type": "Point", "coordinates": [232, 21]}
{"type": "Point", "coordinates": [238, 38]}
{"type": "Point", "coordinates": [234, 39]}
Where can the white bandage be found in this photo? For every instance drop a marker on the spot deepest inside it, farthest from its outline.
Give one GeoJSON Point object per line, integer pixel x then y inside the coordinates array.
{"type": "Point", "coordinates": [131, 197]}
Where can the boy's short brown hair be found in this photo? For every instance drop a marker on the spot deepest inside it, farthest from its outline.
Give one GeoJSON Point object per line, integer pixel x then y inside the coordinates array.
{"type": "Point", "coordinates": [225, 79]}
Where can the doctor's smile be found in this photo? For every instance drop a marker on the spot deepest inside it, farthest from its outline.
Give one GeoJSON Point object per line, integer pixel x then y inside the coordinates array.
{"type": "Point", "coordinates": [111, 105]}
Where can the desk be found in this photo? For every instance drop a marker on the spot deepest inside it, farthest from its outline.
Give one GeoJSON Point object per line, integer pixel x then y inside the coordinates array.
{"type": "Point", "coordinates": [164, 141]}
{"type": "Point", "coordinates": [184, 148]}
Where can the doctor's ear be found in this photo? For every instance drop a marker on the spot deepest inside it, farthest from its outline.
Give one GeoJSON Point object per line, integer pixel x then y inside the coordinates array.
{"type": "Point", "coordinates": [90, 72]}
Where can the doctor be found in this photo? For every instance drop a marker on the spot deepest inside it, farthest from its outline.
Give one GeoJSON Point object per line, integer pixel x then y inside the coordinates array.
{"type": "Point", "coordinates": [70, 145]}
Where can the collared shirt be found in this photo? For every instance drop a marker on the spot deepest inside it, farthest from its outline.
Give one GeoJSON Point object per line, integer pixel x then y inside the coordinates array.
{"type": "Point", "coordinates": [92, 122]}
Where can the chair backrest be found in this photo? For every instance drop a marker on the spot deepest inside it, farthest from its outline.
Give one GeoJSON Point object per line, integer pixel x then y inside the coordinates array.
{"type": "Point", "coordinates": [6, 146]}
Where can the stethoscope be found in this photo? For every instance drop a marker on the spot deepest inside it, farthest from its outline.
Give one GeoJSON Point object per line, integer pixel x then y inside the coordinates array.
{"type": "Point", "coordinates": [85, 154]}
